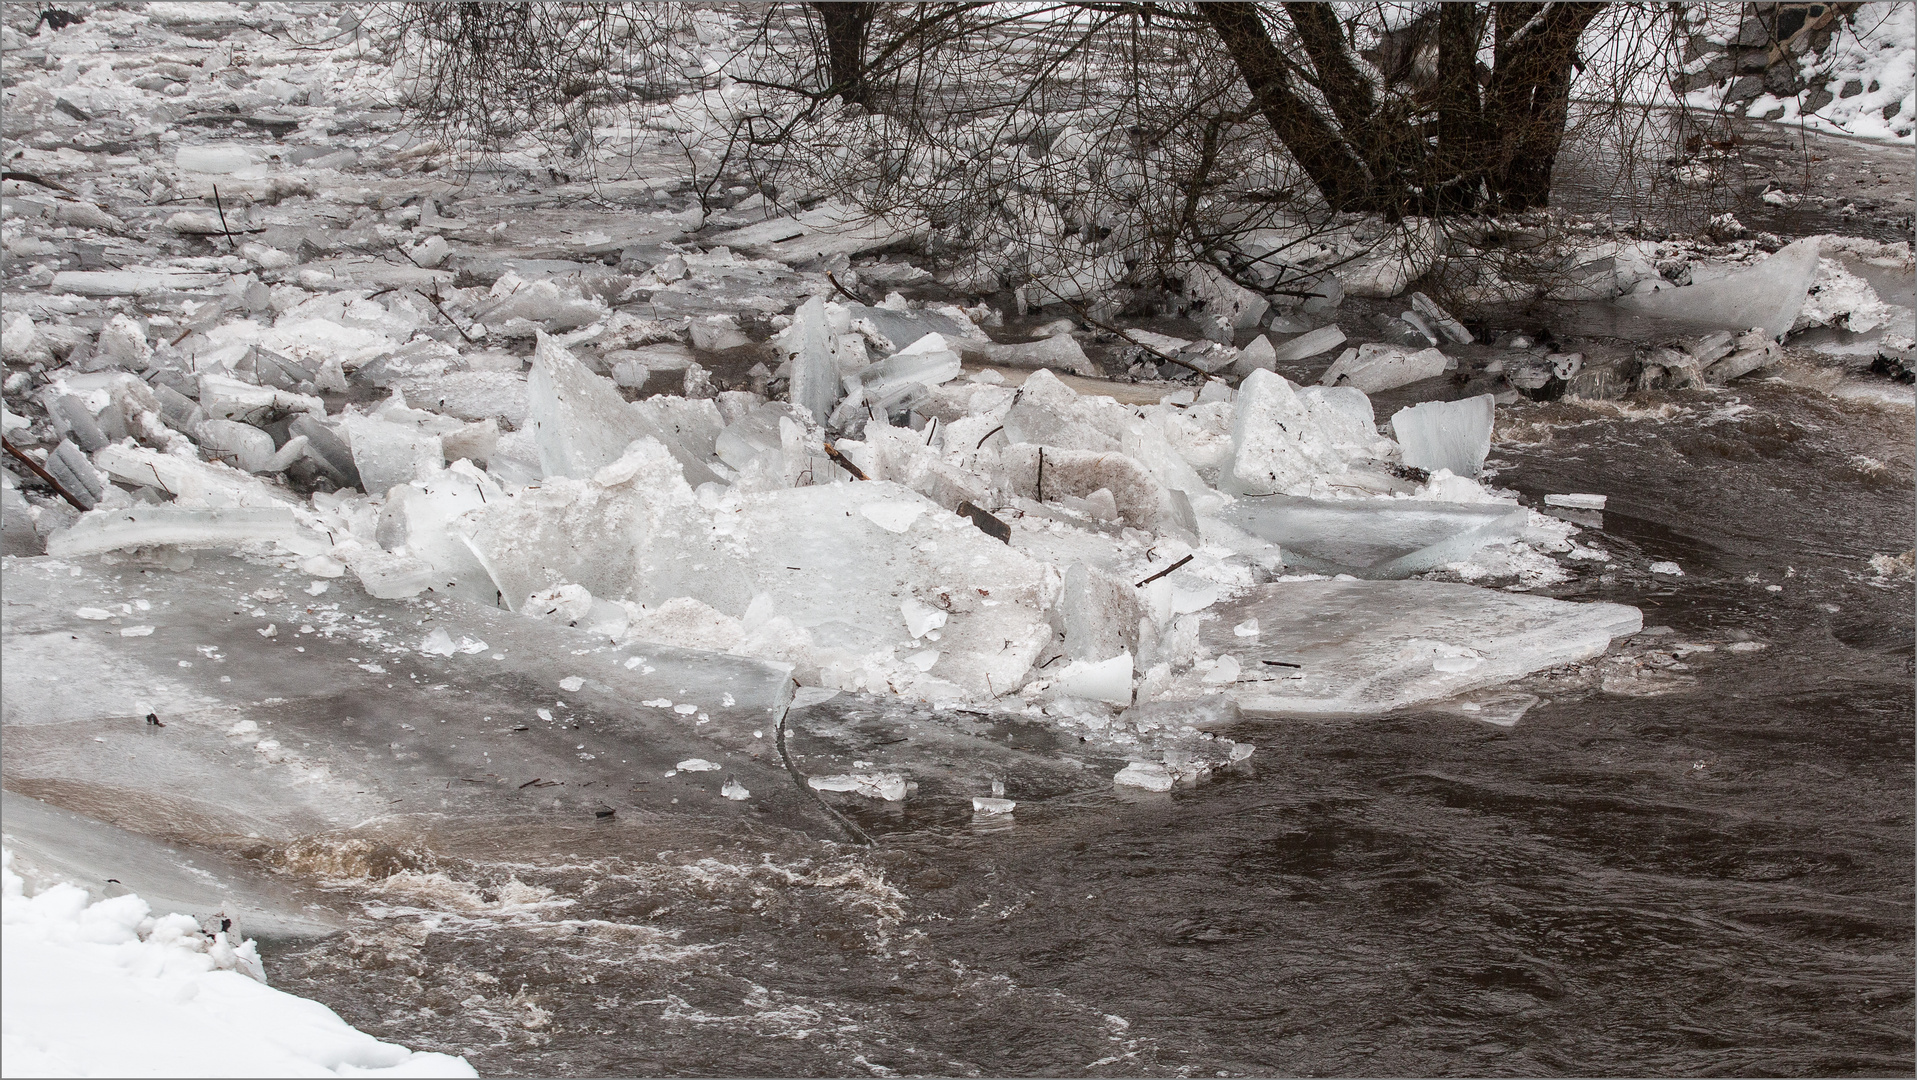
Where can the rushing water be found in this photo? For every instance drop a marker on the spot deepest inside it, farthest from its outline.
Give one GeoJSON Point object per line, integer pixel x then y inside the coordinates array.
{"type": "Point", "coordinates": [1679, 861]}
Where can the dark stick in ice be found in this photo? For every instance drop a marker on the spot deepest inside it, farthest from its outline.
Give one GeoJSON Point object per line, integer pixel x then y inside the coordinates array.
{"type": "Point", "coordinates": [1163, 572]}
{"type": "Point", "coordinates": [43, 474]}
{"type": "Point", "coordinates": [799, 779]}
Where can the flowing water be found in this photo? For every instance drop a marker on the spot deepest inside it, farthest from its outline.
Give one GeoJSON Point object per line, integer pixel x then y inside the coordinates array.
{"type": "Point", "coordinates": [1681, 860]}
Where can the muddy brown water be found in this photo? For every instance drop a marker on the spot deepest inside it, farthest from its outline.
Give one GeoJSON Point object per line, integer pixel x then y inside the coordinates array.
{"type": "Point", "coordinates": [1683, 863]}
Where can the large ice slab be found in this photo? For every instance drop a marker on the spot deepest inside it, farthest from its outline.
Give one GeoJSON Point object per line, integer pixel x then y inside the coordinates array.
{"type": "Point", "coordinates": [184, 526]}
{"type": "Point", "coordinates": [1368, 647]}
{"type": "Point", "coordinates": [1453, 435]}
{"type": "Point", "coordinates": [188, 479]}
{"type": "Point", "coordinates": [387, 453]}
{"type": "Point", "coordinates": [1768, 295]}
{"type": "Point", "coordinates": [1374, 366]}
{"type": "Point", "coordinates": [132, 282]}
{"type": "Point", "coordinates": [899, 329]}
{"type": "Point", "coordinates": [1380, 538]}
{"type": "Point", "coordinates": [289, 713]}
{"type": "Point", "coordinates": [614, 534]}
{"type": "Point", "coordinates": [831, 228]}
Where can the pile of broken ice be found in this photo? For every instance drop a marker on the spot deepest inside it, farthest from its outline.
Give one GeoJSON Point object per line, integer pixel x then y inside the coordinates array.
{"type": "Point", "coordinates": [896, 527]}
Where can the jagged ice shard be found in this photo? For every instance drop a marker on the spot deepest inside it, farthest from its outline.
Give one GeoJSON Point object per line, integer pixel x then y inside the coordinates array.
{"type": "Point", "coordinates": [813, 349]}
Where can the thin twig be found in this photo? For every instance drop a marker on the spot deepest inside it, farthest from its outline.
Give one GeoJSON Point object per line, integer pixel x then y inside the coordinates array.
{"type": "Point", "coordinates": [41, 472]}
{"type": "Point", "coordinates": [1163, 572]}
{"type": "Point", "coordinates": [28, 177]}
{"type": "Point", "coordinates": [231, 244]}
{"type": "Point", "coordinates": [799, 781]}
{"type": "Point", "coordinates": [433, 299]}
{"type": "Point", "coordinates": [845, 462]}
{"type": "Point", "coordinates": [843, 289]}
{"type": "Point", "coordinates": [1120, 331]}
{"type": "Point", "coordinates": [989, 434]}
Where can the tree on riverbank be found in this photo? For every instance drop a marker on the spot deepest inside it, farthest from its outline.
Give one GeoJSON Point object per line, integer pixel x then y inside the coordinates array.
{"type": "Point", "coordinates": [1045, 139]}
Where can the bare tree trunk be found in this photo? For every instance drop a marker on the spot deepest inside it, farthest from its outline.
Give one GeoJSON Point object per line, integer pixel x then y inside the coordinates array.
{"type": "Point", "coordinates": [1349, 93]}
{"type": "Point", "coordinates": [845, 27]}
{"type": "Point", "coordinates": [1326, 159]}
{"type": "Point", "coordinates": [1529, 97]}
{"type": "Point", "coordinates": [1462, 139]}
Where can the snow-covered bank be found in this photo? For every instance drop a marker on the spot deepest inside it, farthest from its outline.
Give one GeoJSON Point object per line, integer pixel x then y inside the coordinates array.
{"type": "Point", "coordinates": [108, 989]}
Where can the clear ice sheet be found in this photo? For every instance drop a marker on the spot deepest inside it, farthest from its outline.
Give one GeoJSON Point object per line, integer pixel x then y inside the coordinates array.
{"type": "Point", "coordinates": [1367, 647]}
{"type": "Point", "coordinates": [1377, 538]}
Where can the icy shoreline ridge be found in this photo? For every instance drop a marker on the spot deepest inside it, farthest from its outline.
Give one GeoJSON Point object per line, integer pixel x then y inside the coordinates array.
{"type": "Point", "coordinates": [103, 988]}
{"type": "Point", "coordinates": [856, 556]}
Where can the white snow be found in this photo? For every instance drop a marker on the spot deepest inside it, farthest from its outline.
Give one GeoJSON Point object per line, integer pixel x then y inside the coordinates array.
{"type": "Point", "coordinates": [106, 988]}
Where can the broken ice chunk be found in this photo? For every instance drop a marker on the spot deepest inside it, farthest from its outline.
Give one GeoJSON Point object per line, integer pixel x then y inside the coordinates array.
{"type": "Point", "coordinates": [1454, 435]}
{"type": "Point", "coordinates": [1104, 680]}
{"type": "Point", "coordinates": [1576, 502]}
{"type": "Point", "coordinates": [21, 344]}
{"type": "Point", "coordinates": [698, 765]}
{"type": "Point", "coordinates": [325, 446]}
{"type": "Point", "coordinates": [630, 374]}
{"type": "Point", "coordinates": [1305, 346]}
{"type": "Point", "coordinates": [1364, 647]}
{"type": "Point", "coordinates": [1060, 351]}
{"type": "Point", "coordinates": [735, 791]}
{"type": "Point", "coordinates": [72, 418]}
{"type": "Point", "coordinates": [568, 603]}
{"type": "Point", "coordinates": [1372, 367]}
{"type": "Point", "coordinates": [1258, 354]}
{"type": "Point", "coordinates": [988, 806]}
{"type": "Point", "coordinates": [189, 479]}
{"type": "Point", "coordinates": [717, 333]}
{"type": "Point", "coordinates": [147, 525]}
{"type": "Point", "coordinates": [926, 362]}
{"type": "Point", "coordinates": [231, 399]}
{"type": "Point", "coordinates": [517, 304]}
{"type": "Point", "coordinates": [889, 787]}
{"type": "Point", "coordinates": [890, 329]}
{"type": "Point", "coordinates": [248, 447]}
{"type": "Point", "coordinates": [1149, 775]}
{"type": "Point", "coordinates": [1235, 306]}
{"type": "Point", "coordinates": [578, 418]}
{"type": "Point", "coordinates": [386, 453]}
{"type": "Point", "coordinates": [580, 531]}
{"type": "Point", "coordinates": [75, 473]}
{"type": "Point", "coordinates": [1379, 538]}
{"type": "Point", "coordinates": [1441, 319]}
{"type": "Point", "coordinates": [1100, 613]}
{"type": "Point", "coordinates": [1283, 440]}
{"type": "Point", "coordinates": [921, 618]}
